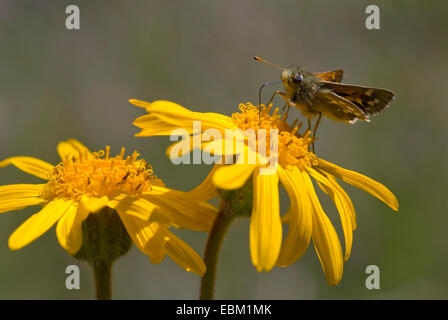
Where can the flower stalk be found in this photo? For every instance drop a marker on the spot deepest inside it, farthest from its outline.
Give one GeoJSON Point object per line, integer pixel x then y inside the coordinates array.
{"type": "Point", "coordinates": [234, 203]}
{"type": "Point", "coordinates": [212, 249]}
{"type": "Point", "coordinates": [103, 283]}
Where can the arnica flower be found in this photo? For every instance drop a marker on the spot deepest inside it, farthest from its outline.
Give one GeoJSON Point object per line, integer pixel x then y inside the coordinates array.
{"type": "Point", "coordinates": [305, 218]}
{"type": "Point", "coordinates": [85, 183]}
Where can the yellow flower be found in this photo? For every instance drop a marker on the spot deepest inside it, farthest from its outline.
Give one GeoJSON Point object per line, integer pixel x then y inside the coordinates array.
{"type": "Point", "coordinates": [84, 183]}
{"type": "Point", "coordinates": [296, 164]}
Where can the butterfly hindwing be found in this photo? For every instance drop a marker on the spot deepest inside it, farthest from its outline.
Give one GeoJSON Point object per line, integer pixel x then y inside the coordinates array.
{"type": "Point", "coordinates": [333, 76]}
{"type": "Point", "coordinates": [338, 108]}
{"type": "Point", "coordinates": [370, 100]}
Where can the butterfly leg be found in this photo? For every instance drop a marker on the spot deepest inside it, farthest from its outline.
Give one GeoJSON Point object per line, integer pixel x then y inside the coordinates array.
{"type": "Point", "coordinates": [315, 129]}
{"type": "Point", "coordinates": [273, 96]}
{"type": "Point", "coordinates": [284, 107]}
{"type": "Point", "coordinates": [309, 129]}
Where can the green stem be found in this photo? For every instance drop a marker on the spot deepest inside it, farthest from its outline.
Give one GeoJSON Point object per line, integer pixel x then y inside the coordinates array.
{"type": "Point", "coordinates": [102, 271]}
{"type": "Point", "coordinates": [214, 242]}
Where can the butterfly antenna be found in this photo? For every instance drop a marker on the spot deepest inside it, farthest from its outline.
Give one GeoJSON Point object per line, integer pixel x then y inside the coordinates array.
{"type": "Point", "coordinates": [269, 63]}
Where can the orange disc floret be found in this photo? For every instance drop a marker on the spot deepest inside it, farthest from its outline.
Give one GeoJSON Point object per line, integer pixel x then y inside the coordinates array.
{"type": "Point", "coordinates": [97, 174]}
{"type": "Point", "coordinates": [293, 148]}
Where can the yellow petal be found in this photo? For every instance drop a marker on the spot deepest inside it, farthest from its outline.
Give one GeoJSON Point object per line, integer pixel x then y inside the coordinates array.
{"type": "Point", "coordinates": [19, 203]}
{"type": "Point", "coordinates": [345, 195]}
{"type": "Point", "coordinates": [147, 121]}
{"type": "Point", "coordinates": [182, 254]}
{"type": "Point", "coordinates": [36, 167]}
{"type": "Point", "coordinates": [140, 103]}
{"type": "Point", "coordinates": [137, 207]}
{"type": "Point", "coordinates": [229, 145]}
{"type": "Point", "coordinates": [38, 223]}
{"type": "Point", "coordinates": [206, 190]}
{"type": "Point", "coordinates": [153, 126]}
{"type": "Point", "coordinates": [300, 217]}
{"type": "Point", "coordinates": [286, 218]}
{"type": "Point", "coordinates": [93, 205]}
{"type": "Point", "coordinates": [69, 228]}
{"type": "Point", "coordinates": [179, 208]}
{"type": "Point", "coordinates": [343, 204]}
{"type": "Point", "coordinates": [265, 224]}
{"type": "Point", "coordinates": [325, 238]}
{"type": "Point", "coordinates": [360, 181]}
{"type": "Point", "coordinates": [214, 149]}
{"type": "Point", "coordinates": [180, 148]}
{"type": "Point", "coordinates": [233, 176]}
{"type": "Point", "coordinates": [147, 236]}
{"type": "Point", "coordinates": [20, 191]}
{"type": "Point", "coordinates": [18, 196]}
{"type": "Point", "coordinates": [71, 148]}
{"type": "Point", "coordinates": [183, 118]}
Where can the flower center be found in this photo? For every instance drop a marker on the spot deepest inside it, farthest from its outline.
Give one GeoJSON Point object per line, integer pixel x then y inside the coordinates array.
{"type": "Point", "coordinates": [293, 148]}
{"type": "Point", "coordinates": [98, 175]}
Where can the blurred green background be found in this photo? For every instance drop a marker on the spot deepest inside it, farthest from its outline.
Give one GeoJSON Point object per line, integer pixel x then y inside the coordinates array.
{"type": "Point", "coordinates": [57, 84]}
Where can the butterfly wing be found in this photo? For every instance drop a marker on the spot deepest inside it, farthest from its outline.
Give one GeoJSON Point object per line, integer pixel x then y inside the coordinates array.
{"type": "Point", "coordinates": [369, 100]}
{"type": "Point", "coordinates": [338, 108]}
{"type": "Point", "coordinates": [333, 76]}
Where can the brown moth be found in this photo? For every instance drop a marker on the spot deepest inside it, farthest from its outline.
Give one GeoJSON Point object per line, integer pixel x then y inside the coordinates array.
{"type": "Point", "coordinates": [317, 94]}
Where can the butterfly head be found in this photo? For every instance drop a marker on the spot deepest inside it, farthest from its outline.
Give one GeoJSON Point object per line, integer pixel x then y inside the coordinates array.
{"type": "Point", "coordinates": [292, 78]}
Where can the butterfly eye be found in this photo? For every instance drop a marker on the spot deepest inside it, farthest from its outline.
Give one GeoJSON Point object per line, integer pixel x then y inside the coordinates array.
{"type": "Point", "coordinates": [297, 78]}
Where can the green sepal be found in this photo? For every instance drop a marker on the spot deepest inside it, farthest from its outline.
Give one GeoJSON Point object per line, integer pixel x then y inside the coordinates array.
{"type": "Point", "coordinates": [239, 201]}
{"type": "Point", "coordinates": [104, 238]}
